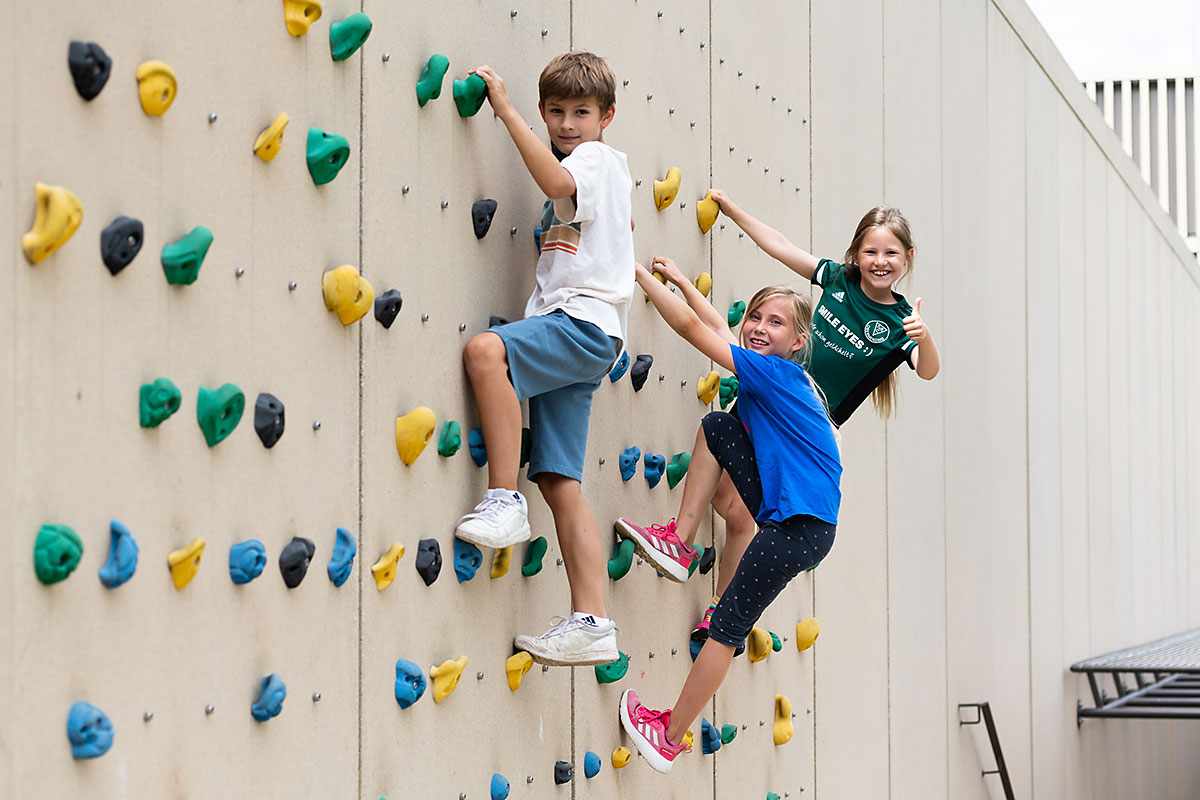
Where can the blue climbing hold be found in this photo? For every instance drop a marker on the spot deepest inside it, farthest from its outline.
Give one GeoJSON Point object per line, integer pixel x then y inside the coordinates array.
{"type": "Point", "coordinates": [499, 787]}
{"type": "Point", "coordinates": [89, 730]}
{"type": "Point", "coordinates": [694, 648]}
{"type": "Point", "coordinates": [710, 737]}
{"type": "Point", "coordinates": [477, 448]}
{"type": "Point", "coordinates": [410, 683]}
{"type": "Point", "coordinates": [344, 548]}
{"type": "Point", "coordinates": [122, 556]}
{"type": "Point", "coordinates": [629, 460]}
{"type": "Point", "coordinates": [467, 559]}
{"type": "Point", "coordinates": [653, 469]}
{"type": "Point", "coordinates": [246, 560]}
{"type": "Point", "coordinates": [270, 698]}
{"type": "Point", "coordinates": [619, 368]}
{"type": "Point", "coordinates": [591, 764]}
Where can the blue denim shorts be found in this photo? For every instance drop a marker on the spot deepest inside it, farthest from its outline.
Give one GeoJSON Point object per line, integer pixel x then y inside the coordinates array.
{"type": "Point", "coordinates": [556, 362]}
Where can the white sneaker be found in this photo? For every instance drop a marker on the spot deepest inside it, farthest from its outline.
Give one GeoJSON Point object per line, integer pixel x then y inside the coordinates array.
{"type": "Point", "coordinates": [501, 519]}
{"type": "Point", "coordinates": [577, 641]}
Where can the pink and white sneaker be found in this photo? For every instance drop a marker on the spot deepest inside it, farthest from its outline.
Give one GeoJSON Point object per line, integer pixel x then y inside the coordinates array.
{"type": "Point", "coordinates": [661, 546]}
{"type": "Point", "coordinates": [648, 729]}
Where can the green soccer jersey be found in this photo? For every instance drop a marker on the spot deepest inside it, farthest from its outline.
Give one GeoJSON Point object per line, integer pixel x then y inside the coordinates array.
{"type": "Point", "coordinates": [856, 342]}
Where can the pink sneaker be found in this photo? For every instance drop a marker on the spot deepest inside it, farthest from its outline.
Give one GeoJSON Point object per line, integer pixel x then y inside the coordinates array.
{"type": "Point", "coordinates": [648, 729]}
{"type": "Point", "coordinates": [700, 632]}
{"type": "Point", "coordinates": [661, 546]}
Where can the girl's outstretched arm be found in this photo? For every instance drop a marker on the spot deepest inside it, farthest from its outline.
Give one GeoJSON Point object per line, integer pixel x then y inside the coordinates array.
{"type": "Point", "coordinates": [925, 358]}
{"type": "Point", "coordinates": [683, 320]}
{"type": "Point", "coordinates": [696, 301]}
{"type": "Point", "coordinates": [774, 243]}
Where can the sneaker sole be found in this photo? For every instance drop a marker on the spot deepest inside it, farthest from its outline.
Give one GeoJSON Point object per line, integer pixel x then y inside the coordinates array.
{"type": "Point", "coordinates": [644, 748]}
{"type": "Point", "coordinates": [494, 542]}
{"type": "Point", "coordinates": [671, 569]}
{"type": "Point", "coordinates": [591, 658]}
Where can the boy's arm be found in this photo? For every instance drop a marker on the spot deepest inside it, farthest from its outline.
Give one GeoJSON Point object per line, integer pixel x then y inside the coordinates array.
{"type": "Point", "coordinates": [925, 358]}
{"type": "Point", "coordinates": [696, 301]}
{"type": "Point", "coordinates": [550, 176]}
{"type": "Point", "coordinates": [684, 321]}
{"type": "Point", "coordinates": [774, 243]}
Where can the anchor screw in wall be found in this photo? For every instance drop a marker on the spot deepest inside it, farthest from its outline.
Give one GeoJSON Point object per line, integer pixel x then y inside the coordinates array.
{"type": "Point", "coordinates": [545, 32]}
{"type": "Point", "coordinates": [462, 326]}
{"type": "Point", "coordinates": [514, 13]}
{"type": "Point", "coordinates": [445, 204]}
{"type": "Point", "coordinates": [212, 118]}
{"type": "Point", "coordinates": [209, 709]}
{"type": "Point", "coordinates": [149, 715]}
{"type": "Point", "coordinates": [602, 461]}
{"type": "Point", "coordinates": [316, 697]}
{"type": "Point", "coordinates": [387, 57]}
{"type": "Point", "coordinates": [239, 272]}
{"type": "Point", "coordinates": [512, 231]}
{"type": "Point", "coordinates": [316, 425]}
{"type": "Point", "coordinates": [404, 189]}
{"type": "Point", "coordinates": [291, 286]}
{"type": "Point", "coordinates": [424, 318]}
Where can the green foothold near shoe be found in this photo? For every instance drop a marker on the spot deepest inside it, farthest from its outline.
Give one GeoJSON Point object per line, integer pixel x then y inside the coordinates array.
{"type": "Point", "coordinates": [182, 258]}
{"type": "Point", "coordinates": [469, 94]}
{"type": "Point", "coordinates": [56, 553]}
{"type": "Point", "coordinates": [622, 559]}
{"type": "Point", "coordinates": [327, 154]}
{"type": "Point", "coordinates": [430, 85]}
{"type": "Point", "coordinates": [736, 311]}
{"type": "Point", "coordinates": [450, 439]}
{"type": "Point", "coordinates": [534, 554]}
{"type": "Point", "coordinates": [729, 390]}
{"type": "Point", "coordinates": [347, 36]}
{"type": "Point", "coordinates": [776, 644]}
{"type": "Point", "coordinates": [728, 733]}
{"type": "Point", "coordinates": [614, 670]}
{"type": "Point", "coordinates": [218, 411]}
{"type": "Point", "coordinates": [678, 468]}
{"type": "Point", "coordinates": [699, 551]}
{"type": "Point", "coordinates": [157, 401]}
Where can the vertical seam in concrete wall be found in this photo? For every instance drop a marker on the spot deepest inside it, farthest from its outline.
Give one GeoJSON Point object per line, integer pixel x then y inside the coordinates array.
{"type": "Point", "coordinates": [812, 587]}
{"type": "Point", "coordinates": [361, 266]}
{"type": "Point", "coordinates": [945, 450]}
{"type": "Point", "coordinates": [1028, 445]}
{"type": "Point", "coordinates": [887, 533]}
{"type": "Point", "coordinates": [712, 517]}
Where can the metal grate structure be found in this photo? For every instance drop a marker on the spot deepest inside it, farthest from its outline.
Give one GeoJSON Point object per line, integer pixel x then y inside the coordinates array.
{"type": "Point", "coordinates": [1159, 680]}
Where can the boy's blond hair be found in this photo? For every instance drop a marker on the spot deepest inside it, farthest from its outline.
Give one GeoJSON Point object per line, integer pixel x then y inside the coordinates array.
{"type": "Point", "coordinates": [578, 75]}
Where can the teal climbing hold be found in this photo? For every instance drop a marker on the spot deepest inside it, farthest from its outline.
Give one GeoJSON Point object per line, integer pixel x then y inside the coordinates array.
{"type": "Point", "coordinates": [499, 787]}
{"type": "Point", "coordinates": [628, 461]}
{"type": "Point", "coordinates": [652, 467]}
{"type": "Point", "coordinates": [122, 556]}
{"type": "Point", "coordinates": [728, 733]}
{"type": "Point", "coordinates": [477, 447]}
{"type": "Point", "coordinates": [534, 554]}
{"type": "Point", "coordinates": [450, 439]}
{"type": "Point", "coordinates": [613, 671]}
{"type": "Point", "coordinates": [327, 154]}
{"type": "Point", "coordinates": [735, 312]}
{"type": "Point", "coordinates": [699, 554]}
{"type": "Point", "coordinates": [430, 85]}
{"type": "Point", "coordinates": [678, 468]}
{"type": "Point", "coordinates": [776, 644]}
{"type": "Point", "coordinates": [182, 258]}
{"type": "Point", "coordinates": [157, 401]}
{"type": "Point", "coordinates": [622, 559]}
{"type": "Point", "coordinates": [271, 695]}
{"type": "Point", "coordinates": [710, 737]}
{"type": "Point", "coordinates": [772, 796]}
{"type": "Point", "coordinates": [469, 94]}
{"type": "Point", "coordinates": [729, 390]}
{"type": "Point", "coordinates": [347, 36]}
{"type": "Point", "coordinates": [218, 411]}
{"type": "Point", "coordinates": [56, 553]}
{"type": "Point", "coordinates": [591, 764]}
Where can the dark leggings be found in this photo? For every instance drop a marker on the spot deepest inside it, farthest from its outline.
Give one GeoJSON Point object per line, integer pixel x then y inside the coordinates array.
{"type": "Point", "coordinates": [779, 551]}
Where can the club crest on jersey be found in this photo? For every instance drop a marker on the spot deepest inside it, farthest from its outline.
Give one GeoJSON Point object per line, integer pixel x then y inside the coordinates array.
{"type": "Point", "coordinates": [877, 331]}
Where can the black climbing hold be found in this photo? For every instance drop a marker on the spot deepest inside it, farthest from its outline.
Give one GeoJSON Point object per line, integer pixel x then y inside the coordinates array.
{"type": "Point", "coordinates": [90, 67]}
{"type": "Point", "coordinates": [495, 322]}
{"type": "Point", "coordinates": [640, 370]}
{"type": "Point", "coordinates": [268, 419]}
{"type": "Point", "coordinates": [120, 242]}
{"type": "Point", "coordinates": [563, 772]}
{"type": "Point", "coordinates": [429, 560]}
{"type": "Point", "coordinates": [481, 216]}
{"type": "Point", "coordinates": [293, 561]}
{"type": "Point", "coordinates": [387, 306]}
{"type": "Point", "coordinates": [707, 559]}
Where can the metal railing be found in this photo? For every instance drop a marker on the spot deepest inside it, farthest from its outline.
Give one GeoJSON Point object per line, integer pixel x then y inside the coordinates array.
{"type": "Point", "coordinates": [984, 713]}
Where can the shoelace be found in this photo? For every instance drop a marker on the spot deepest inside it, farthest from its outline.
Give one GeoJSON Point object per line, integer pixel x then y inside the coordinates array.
{"type": "Point", "coordinates": [557, 626]}
{"type": "Point", "coordinates": [490, 507]}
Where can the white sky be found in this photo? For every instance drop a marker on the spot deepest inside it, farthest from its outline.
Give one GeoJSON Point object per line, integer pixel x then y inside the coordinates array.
{"type": "Point", "coordinates": [1124, 37]}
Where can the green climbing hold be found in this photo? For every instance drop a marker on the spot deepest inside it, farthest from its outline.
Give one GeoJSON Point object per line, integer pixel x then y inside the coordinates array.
{"type": "Point", "coordinates": [450, 439]}
{"type": "Point", "coordinates": [776, 644]}
{"type": "Point", "coordinates": [699, 551]}
{"type": "Point", "coordinates": [182, 258]}
{"type": "Point", "coordinates": [430, 85]}
{"type": "Point", "coordinates": [56, 553]}
{"type": "Point", "coordinates": [469, 94]}
{"type": "Point", "coordinates": [772, 796]}
{"type": "Point", "coordinates": [622, 559]}
{"type": "Point", "coordinates": [613, 671]}
{"type": "Point", "coordinates": [327, 154]}
{"type": "Point", "coordinates": [736, 311]}
{"type": "Point", "coordinates": [678, 468]}
{"type": "Point", "coordinates": [526, 442]}
{"type": "Point", "coordinates": [347, 36]}
{"type": "Point", "coordinates": [728, 733]}
{"type": "Point", "coordinates": [218, 411]}
{"type": "Point", "coordinates": [157, 401]}
{"type": "Point", "coordinates": [729, 390]}
{"type": "Point", "coordinates": [534, 554]}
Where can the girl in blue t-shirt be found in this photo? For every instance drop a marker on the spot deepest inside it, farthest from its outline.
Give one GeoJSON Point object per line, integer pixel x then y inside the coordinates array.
{"type": "Point", "coordinates": [782, 457]}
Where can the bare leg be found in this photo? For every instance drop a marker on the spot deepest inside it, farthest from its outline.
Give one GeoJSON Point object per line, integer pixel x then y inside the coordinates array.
{"type": "Point", "coordinates": [740, 528]}
{"type": "Point", "coordinates": [703, 475]}
{"type": "Point", "coordinates": [702, 683]}
{"type": "Point", "coordinates": [486, 360]}
{"type": "Point", "coordinates": [579, 540]}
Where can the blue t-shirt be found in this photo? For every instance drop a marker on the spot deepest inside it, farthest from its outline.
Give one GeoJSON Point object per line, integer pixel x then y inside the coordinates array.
{"type": "Point", "coordinates": [798, 458]}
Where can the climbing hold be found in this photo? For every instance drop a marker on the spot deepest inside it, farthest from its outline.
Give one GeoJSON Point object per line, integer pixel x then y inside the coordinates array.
{"type": "Point", "coordinates": [56, 553]}
{"type": "Point", "coordinates": [652, 468]}
{"type": "Point", "coordinates": [515, 666]}
{"type": "Point", "coordinates": [619, 368]}
{"type": "Point", "coordinates": [735, 312]}
{"type": "Point", "coordinates": [703, 283]}
{"type": "Point", "coordinates": [120, 242]}
{"type": "Point", "coordinates": [294, 559]}
{"type": "Point", "coordinates": [706, 214]}
{"type": "Point", "coordinates": [563, 772]}
{"type": "Point", "coordinates": [182, 258]}
{"type": "Point", "coordinates": [346, 36]}
{"type": "Point", "coordinates": [537, 238]}
{"type": "Point", "coordinates": [613, 671]}
{"type": "Point", "coordinates": [156, 402]}
{"type": "Point", "coordinates": [526, 446]}
{"type": "Point", "coordinates": [710, 737]}
{"type": "Point", "coordinates": [678, 468]}
{"type": "Point", "coordinates": [729, 390]}
{"type": "Point", "coordinates": [270, 698]}
{"type": "Point", "coordinates": [445, 677]}
{"type": "Point", "coordinates": [429, 87]}
{"type": "Point", "coordinates": [688, 739]}
{"type": "Point", "coordinates": [90, 67]}
{"type": "Point", "coordinates": [410, 683]}
{"type": "Point", "coordinates": [57, 214]}
{"type": "Point", "coordinates": [450, 439]}
{"type": "Point", "coordinates": [501, 560]}
{"type": "Point", "coordinates": [429, 560]}
{"type": "Point", "coordinates": [270, 139]}
{"type": "Point", "coordinates": [300, 14]}
{"type": "Point", "coordinates": [246, 560]}
{"type": "Point", "coordinates": [469, 94]}
{"type": "Point", "coordinates": [620, 757]}
{"type": "Point", "coordinates": [387, 307]}
{"type": "Point", "coordinates": [772, 796]}
{"type": "Point", "coordinates": [185, 562]}
{"type": "Point", "coordinates": [268, 419]}
{"type": "Point", "coordinates": [467, 559]}
{"type": "Point", "coordinates": [622, 559]}
{"type": "Point", "coordinates": [327, 154]}
{"type": "Point", "coordinates": [760, 644]}
{"type": "Point", "coordinates": [218, 411]}
{"type": "Point", "coordinates": [384, 569]}
{"type": "Point", "coordinates": [482, 212]}
{"type": "Point", "coordinates": [122, 556]}
{"type": "Point", "coordinates": [807, 631]}
{"type": "Point", "coordinates": [156, 87]}
{"type": "Point", "coordinates": [499, 787]}
{"type": "Point", "coordinates": [783, 729]}
{"type": "Point", "coordinates": [476, 446]}
{"type": "Point", "coordinates": [89, 730]}
{"type": "Point", "coordinates": [708, 387]}
{"type": "Point", "coordinates": [666, 189]}
{"type": "Point", "coordinates": [344, 549]}
{"type": "Point", "coordinates": [534, 554]}
{"type": "Point", "coordinates": [776, 644]}
{"type": "Point", "coordinates": [708, 557]}
{"type": "Point", "coordinates": [641, 369]}
{"type": "Point", "coordinates": [413, 432]}
{"type": "Point", "coordinates": [591, 764]}
{"type": "Point", "coordinates": [694, 646]}
{"type": "Point", "coordinates": [347, 293]}
{"type": "Point", "coordinates": [628, 461]}
{"type": "Point", "coordinates": [728, 733]}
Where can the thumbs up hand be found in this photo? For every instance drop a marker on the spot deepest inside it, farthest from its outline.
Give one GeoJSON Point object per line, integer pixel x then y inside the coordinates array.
{"type": "Point", "coordinates": [914, 326]}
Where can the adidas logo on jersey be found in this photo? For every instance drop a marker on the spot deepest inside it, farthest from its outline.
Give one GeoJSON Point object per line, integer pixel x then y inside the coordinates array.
{"type": "Point", "coordinates": [839, 296]}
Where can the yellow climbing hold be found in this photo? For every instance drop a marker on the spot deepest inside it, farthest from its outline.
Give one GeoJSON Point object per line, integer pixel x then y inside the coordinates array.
{"type": "Point", "coordinates": [347, 293]}
{"type": "Point", "coordinates": [703, 283]}
{"type": "Point", "coordinates": [666, 189]}
{"type": "Point", "coordinates": [413, 432]}
{"type": "Point", "coordinates": [361, 305]}
{"type": "Point", "coordinates": [807, 631]}
{"type": "Point", "coordinates": [156, 87]}
{"type": "Point", "coordinates": [689, 738]}
{"type": "Point", "coordinates": [708, 387]}
{"type": "Point", "coordinates": [384, 569]}
{"type": "Point", "coordinates": [783, 720]}
{"type": "Point", "coordinates": [267, 145]}
{"type": "Point", "coordinates": [661, 279]}
{"type": "Point", "coordinates": [620, 757]}
{"type": "Point", "coordinates": [445, 677]}
{"type": "Point", "coordinates": [501, 561]}
{"type": "Point", "coordinates": [300, 14]}
{"type": "Point", "coordinates": [185, 562]}
{"type": "Point", "coordinates": [759, 645]}
{"type": "Point", "coordinates": [707, 211]}
{"type": "Point", "coordinates": [515, 667]}
{"type": "Point", "coordinates": [56, 217]}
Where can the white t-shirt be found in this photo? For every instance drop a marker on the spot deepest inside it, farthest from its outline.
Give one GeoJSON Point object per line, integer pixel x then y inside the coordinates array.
{"type": "Point", "coordinates": [586, 262]}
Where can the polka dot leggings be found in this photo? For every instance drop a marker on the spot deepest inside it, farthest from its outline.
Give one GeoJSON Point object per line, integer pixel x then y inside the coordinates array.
{"type": "Point", "coordinates": [779, 551]}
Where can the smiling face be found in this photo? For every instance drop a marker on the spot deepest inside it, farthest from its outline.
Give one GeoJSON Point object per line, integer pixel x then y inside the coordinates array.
{"type": "Point", "coordinates": [770, 328]}
{"type": "Point", "coordinates": [883, 260]}
{"type": "Point", "coordinates": [571, 122]}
